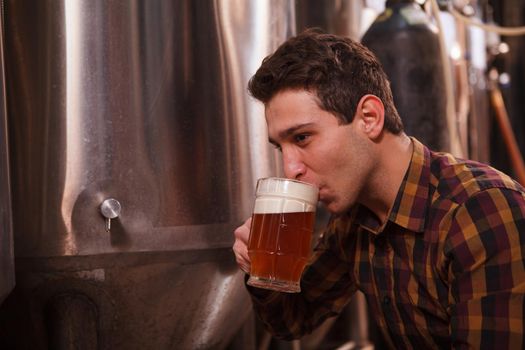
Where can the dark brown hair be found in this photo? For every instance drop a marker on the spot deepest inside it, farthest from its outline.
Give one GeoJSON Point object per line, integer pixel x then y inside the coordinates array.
{"type": "Point", "coordinates": [337, 69]}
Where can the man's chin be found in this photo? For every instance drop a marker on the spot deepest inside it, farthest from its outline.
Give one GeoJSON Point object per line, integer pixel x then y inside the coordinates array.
{"type": "Point", "coordinates": [332, 207]}
{"type": "Point", "coordinates": [335, 207]}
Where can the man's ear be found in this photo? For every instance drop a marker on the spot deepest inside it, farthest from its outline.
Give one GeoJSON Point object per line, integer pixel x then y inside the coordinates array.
{"type": "Point", "coordinates": [371, 112]}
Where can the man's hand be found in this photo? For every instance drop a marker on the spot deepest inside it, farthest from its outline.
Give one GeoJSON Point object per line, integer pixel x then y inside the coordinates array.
{"type": "Point", "coordinates": [240, 247]}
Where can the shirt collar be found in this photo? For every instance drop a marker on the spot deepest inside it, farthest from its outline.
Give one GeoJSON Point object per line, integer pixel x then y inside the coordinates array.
{"type": "Point", "coordinates": [410, 206]}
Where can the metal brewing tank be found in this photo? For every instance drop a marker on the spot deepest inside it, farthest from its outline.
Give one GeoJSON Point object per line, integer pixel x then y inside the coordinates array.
{"type": "Point", "coordinates": [406, 43]}
{"type": "Point", "coordinates": [133, 116]}
{"type": "Point", "coordinates": [340, 17]}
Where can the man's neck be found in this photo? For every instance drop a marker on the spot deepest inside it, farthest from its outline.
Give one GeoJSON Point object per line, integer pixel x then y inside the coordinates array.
{"type": "Point", "coordinates": [394, 155]}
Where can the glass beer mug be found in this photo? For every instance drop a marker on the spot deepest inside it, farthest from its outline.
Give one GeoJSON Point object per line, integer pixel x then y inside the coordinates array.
{"type": "Point", "coordinates": [281, 233]}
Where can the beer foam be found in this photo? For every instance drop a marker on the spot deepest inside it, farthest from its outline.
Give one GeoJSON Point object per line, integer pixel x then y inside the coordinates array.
{"type": "Point", "coordinates": [281, 205]}
{"type": "Point", "coordinates": [276, 195]}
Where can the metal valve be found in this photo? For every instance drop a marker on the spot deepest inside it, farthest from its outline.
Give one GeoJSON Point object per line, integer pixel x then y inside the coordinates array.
{"type": "Point", "coordinates": [110, 209]}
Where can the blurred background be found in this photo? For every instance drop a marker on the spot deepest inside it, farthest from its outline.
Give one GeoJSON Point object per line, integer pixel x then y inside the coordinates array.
{"type": "Point", "coordinates": [129, 152]}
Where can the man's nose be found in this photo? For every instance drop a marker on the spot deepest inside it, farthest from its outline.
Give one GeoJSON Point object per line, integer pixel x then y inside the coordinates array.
{"type": "Point", "coordinates": [294, 167]}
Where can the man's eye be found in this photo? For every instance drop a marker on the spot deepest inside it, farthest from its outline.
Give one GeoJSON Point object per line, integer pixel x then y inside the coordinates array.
{"type": "Point", "coordinates": [300, 138]}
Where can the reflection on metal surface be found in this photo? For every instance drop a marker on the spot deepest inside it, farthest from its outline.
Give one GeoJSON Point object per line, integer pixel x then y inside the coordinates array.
{"type": "Point", "coordinates": [7, 270]}
{"type": "Point", "coordinates": [145, 102]}
{"type": "Point", "coordinates": [341, 17]}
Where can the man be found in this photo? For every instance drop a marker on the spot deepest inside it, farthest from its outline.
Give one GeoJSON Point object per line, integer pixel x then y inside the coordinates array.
{"type": "Point", "coordinates": [435, 243]}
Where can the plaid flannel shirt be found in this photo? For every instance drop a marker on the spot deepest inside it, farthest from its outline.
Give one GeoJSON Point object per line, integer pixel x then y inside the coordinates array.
{"type": "Point", "coordinates": [446, 270]}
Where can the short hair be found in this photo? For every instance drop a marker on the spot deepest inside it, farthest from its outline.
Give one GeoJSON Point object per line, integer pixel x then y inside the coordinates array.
{"type": "Point", "coordinates": [338, 70]}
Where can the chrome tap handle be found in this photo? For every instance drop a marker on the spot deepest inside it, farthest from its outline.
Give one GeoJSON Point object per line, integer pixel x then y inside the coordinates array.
{"type": "Point", "coordinates": [110, 209]}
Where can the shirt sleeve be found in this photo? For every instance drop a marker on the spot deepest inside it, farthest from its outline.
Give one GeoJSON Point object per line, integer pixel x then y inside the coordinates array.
{"type": "Point", "coordinates": [485, 248]}
{"type": "Point", "coordinates": [326, 287]}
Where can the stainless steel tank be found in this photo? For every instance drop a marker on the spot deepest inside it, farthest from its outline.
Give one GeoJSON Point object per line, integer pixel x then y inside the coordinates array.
{"type": "Point", "coordinates": [135, 151]}
{"type": "Point", "coordinates": [341, 17]}
{"type": "Point", "coordinates": [406, 42]}
{"type": "Point", "coordinates": [7, 270]}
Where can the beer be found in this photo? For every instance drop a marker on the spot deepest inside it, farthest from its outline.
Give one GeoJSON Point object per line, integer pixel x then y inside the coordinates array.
{"type": "Point", "coordinates": [280, 245]}
{"type": "Point", "coordinates": [281, 233]}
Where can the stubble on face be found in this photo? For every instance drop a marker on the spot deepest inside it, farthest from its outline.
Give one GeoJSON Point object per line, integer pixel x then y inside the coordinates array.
{"type": "Point", "coordinates": [350, 180]}
{"type": "Point", "coordinates": [337, 157]}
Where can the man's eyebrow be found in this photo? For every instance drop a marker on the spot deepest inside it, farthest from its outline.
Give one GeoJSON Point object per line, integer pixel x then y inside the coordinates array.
{"type": "Point", "coordinates": [290, 131]}
{"type": "Point", "coordinates": [270, 140]}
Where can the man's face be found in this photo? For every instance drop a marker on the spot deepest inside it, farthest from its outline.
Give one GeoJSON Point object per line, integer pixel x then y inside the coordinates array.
{"type": "Point", "coordinates": [317, 149]}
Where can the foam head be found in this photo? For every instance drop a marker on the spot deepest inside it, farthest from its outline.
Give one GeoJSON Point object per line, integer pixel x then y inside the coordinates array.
{"type": "Point", "coordinates": [278, 195]}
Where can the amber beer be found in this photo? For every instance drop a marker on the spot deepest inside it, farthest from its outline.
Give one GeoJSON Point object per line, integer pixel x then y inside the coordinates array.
{"type": "Point", "coordinates": [281, 233]}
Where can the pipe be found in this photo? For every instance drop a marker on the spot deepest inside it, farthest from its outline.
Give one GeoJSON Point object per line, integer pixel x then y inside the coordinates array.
{"type": "Point", "coordinates": [7, 269]}
{"type": "Point", "coordinates": [502, 118]}
{"type": "Point", "coordinates": [455, 142]}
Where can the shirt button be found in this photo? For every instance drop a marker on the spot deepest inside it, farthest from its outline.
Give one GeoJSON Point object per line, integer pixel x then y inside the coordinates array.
{"type": "Point", "coordinates": [386, 300]}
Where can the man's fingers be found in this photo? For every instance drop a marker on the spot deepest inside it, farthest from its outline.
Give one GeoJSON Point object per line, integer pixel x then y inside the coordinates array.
{"type": "Point", "coordinates": [240, 247]}
{"type": "Point", "coordinates": [241, 252]}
